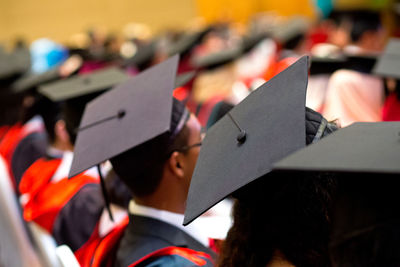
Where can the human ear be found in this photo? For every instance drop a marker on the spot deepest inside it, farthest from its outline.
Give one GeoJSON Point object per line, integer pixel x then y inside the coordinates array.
{"type": "Point", "coordinates": [176, 165]}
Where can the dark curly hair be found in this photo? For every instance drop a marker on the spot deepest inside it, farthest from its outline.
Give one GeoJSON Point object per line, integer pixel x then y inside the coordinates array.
{"type": "Point", "coordinates": [284, 212]}
{"type": "Point", "coordinates": [288, 213]}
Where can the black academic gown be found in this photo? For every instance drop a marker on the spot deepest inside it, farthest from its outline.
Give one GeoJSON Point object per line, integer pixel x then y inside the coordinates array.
{"type": "Point", "coordinates": [145, 235]}
{"type": "Point", "coordinates": [30, 148]}
{"type": "Point", "coordinates": [77, 220]}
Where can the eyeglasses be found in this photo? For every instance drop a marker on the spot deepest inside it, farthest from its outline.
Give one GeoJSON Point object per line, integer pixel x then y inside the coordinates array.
{"type": "Point", "coordinates": [188, 147]}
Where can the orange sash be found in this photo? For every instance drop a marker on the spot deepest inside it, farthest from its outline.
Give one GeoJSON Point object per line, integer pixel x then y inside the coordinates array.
{"type": "Point", "coordinates": [46, 199]}
{"type": "Point", "coordinates": [196, 257]}
{"type": "Point", "coordinates": [100, 251]}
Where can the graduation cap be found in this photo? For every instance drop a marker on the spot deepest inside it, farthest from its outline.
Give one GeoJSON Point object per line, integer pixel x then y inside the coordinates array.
{"type": "Point", "coordinates": [81, 85]}
{"type": "Point", "coordinates": [14, 64]}
{"type": "Point", "coordinates": [361, 147]}
{"type": "Point", "coordinates": [138, 110]}
{"type": "Point", "coordinates": [242, 146]}
{"type": "Point", "coordinates": [361, 62]}
{"type": "Point", "coordinates": [291, 29]}
{"type": "Point", "coordinates": [144, 55]}
{"type": "Point", "coordinates": [364, 157]}
{"type": "Point", "coordinates": [252, 40]}
{"type": "Point", "coordinates": [144, 101]}
{"type": "Point", "coordinates": [33, 80]}
{"type": "Point", "coordinates": [76, 91]}
{"type": "Point", "coordinates": [388, 64]}
{"type": "Point", "coordinates": [325, 65]}
{"type": "Point", "coordinates": [183, 78]}
{"type": "Point", "coordinates": [216, 59]}
{"type": "Point", "coordinates": [188, 41]}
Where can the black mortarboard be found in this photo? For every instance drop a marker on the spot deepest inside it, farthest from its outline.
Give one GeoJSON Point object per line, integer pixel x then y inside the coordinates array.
{"type": "Point", "coordinates": [216, 59]}
{"type": "Point", "coordinates": [388, 64]}
{"type": "Point", "coordinates": [33, 80]}
{"type": "Point", "coordinates": [187, 42]}
{"type": "Point", "coordinates": [137, 111]}
{"type": "Point", "coordinates": [242, 146]}
{"type": "Point", "coordinates": [362, 63]}
{"type": "Point", "coordinates": [14, 64]}
{"type": "Point", "coordinates": [364, 157]}
{"type": "Point", "coordinates": [361, 147]}
{"type": "Point", "coordinates": [251, 41]}
{"type": "Point", "coordinates": [82, 85]}
{"type": "Point", "coordinates": [322, 65]}
{"type": "Point", "coordinates": [75, 92]}
{"type": "Point", "coordinates": [144, 55]}
{"type": "Point", "coordinates": [290, 29]}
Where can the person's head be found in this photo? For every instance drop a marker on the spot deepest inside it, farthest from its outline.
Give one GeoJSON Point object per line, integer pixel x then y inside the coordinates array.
{"type": "Point", "coordinates": [284, 214]}
{"type": "Point", "coordinates": [56, 130]}
{"type": "Point", "coordinates": [72, 112]}
{"type": "Point", "coordinates": [339, 32]}
{"type": "Point", "coordinates": [367, 31]}
{"type": "Point", "coordinates": [296, 43]}
{"type": "Point", "coordinates": [166, 160]}
{"type": "Point", "coordinates": [10, 108]}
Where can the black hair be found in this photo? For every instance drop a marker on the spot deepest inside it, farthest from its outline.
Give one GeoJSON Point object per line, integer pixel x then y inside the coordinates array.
{"type": "Point", "coordinates": [366, 221]}
{"type": "Point", "coordinates": [287, 213]}
{"type": "Point", "coordinates": [72, 112]}
{"type": "Point", "coordinates": [51, 113]}
{"type": "Point", "coordinates": [117, 191]}
{"type": "Point", "coordinates": [10, 108]}
{"type": "Point", "coordinates": [141, 167]}
{"type": "Point", "coordinates": [364, 21]}
{"type": "Point", "coordinates": [294, 41]}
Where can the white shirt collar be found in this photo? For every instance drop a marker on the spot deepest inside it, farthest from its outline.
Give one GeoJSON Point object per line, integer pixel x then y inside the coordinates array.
{"type": "Point", "coordinates": [34, 124]}
{"type": "Point", "coordinates": [172, 218]}
{"type": "Point", "coordinates": [65, 165]}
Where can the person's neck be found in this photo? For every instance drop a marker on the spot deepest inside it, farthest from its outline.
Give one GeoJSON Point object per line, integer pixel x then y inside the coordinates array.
{"type": "Point", "coordinates": [62, 146]}
{"type": "Point", "coordinates": [160, 203]}
{"type": "Point", "coordinates": [169, 195]}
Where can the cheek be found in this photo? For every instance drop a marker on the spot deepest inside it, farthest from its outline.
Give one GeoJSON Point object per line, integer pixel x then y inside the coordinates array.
{"type": "Point", "coordinates": [192, 158]}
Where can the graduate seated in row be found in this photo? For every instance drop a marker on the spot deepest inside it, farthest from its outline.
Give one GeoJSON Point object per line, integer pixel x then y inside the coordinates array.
{"type": "Point", "coordinates": [152, 142]}
{"type": "Point", "coordinates": [69, 209]}
{"type": "Point", "coordinates": [280, 219]}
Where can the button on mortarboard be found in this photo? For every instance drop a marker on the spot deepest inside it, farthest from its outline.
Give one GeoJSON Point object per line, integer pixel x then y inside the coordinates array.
{"type": "Point", "coordinates": [242, 146]}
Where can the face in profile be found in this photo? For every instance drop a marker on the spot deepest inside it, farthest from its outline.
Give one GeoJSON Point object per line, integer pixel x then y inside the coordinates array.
{"type": "Point", "coordinates": [192, 150]}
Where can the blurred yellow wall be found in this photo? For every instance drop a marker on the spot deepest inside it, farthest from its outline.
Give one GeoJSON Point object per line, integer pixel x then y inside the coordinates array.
{"type": "Point", "coordinates": [59, 19]}
{"type": "Point", "coordinates": [241, 10]}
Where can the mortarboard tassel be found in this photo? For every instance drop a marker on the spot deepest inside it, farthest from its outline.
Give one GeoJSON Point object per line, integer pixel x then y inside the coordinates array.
{"type": "Point", "coordinates": [104, 192]}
